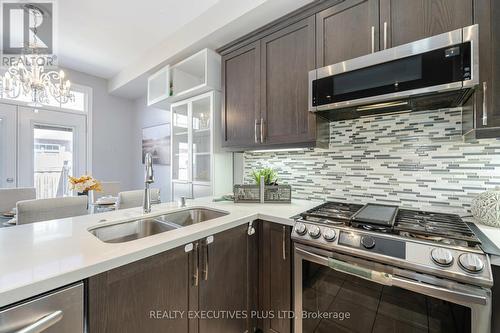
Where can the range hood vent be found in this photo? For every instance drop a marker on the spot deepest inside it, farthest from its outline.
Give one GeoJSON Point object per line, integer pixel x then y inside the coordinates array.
{"type": "Point", "coordinates": [433, 101]}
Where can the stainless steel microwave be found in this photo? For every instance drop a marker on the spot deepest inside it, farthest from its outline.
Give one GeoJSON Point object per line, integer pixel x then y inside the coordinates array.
{"type": "Point", "coordinates": [442, 63]}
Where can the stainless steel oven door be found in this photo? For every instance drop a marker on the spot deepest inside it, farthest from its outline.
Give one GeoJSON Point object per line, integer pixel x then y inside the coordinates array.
{"type": "Point", "coordinates": [334, 292]}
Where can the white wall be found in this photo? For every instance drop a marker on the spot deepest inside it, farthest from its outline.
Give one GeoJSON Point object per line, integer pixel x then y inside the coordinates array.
{"type": "Point", "coordinates": [145, 117]}
{"type": "Point", "coordinates": [112, 132]}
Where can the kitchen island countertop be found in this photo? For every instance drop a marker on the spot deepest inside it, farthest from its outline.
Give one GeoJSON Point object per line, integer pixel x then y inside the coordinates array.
{"type": "Point", "coordinates": [39, 257]}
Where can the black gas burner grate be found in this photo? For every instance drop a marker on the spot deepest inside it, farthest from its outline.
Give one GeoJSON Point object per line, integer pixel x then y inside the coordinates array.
{"type": "Point", "coordinates": [332, 212]}
{"type": "Point", "coordinates": [428, 224]}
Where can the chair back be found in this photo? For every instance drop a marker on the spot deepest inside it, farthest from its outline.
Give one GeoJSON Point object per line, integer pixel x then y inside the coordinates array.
{"type": "Point", "coordinates": [130, 199]}
{"type": "Point", "coordinates": [10, 196]}
{"type": "Point", "coordinates": [30, 211]}
{"type": "Point", "coordinates": [108, 189]}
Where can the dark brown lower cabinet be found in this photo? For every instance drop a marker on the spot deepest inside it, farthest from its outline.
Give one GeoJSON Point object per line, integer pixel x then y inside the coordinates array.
{"type": "Point", "coordinates": [226, 283]}
{"type": "Point", "coordinates": [179, 291]}
{"type": "Point", "coordinates": [127, 299]}
{"type": "Point", "coordinates": [276, 277]}
{"type": "Point", "coordinates": [225, 278]}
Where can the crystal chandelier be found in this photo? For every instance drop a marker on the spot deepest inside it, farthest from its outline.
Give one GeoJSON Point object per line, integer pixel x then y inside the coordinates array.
{"type": "Point", "coordinates": [28, 77]}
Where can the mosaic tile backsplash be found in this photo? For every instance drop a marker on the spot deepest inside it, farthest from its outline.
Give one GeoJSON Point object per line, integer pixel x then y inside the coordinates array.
{"type": "Point", "coordinates": [414, 160]}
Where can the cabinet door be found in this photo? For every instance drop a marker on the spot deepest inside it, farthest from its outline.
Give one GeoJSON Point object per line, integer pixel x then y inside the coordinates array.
{"type": "Point", "coordinates": [241, 102]}
{"type": "Point", "coordinates": [404, 21]}
{"type": "Point", "coordinates": [125, 299]}
{"type": "Point", "coordinates": [347, 30]}
{"type": "Point", "coordinates": [487, 96]}
{"type": "Point", "coordinates": [287, 57]}
{"type": "Point", "coordinates": [224, 277]}
{"type": "Point", "coordinates": [276, 275]}
{"type": "Point", "coordinates": [181, 150]}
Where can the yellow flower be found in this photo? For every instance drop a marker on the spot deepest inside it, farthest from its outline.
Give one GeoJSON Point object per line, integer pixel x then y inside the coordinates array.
{"type": "Point", "coordinates": [87, 183]}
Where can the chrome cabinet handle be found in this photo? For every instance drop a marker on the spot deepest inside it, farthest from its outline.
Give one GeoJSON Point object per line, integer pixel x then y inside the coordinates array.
{"type": "Point", "coordinates": [284, 243]}
{"type": "Point", "coordinates": [43, 323]}
{"type": "Point", "coordinates": [205, 264]}
{"type": "Point", "coordinates": [255, 129]}
{"type": "Point", "coordinates": [385, 35]}
{"type": "Point", "coordinates": [373, 39]}
{"type": "Point", "coordinates": [485, 103]}
{"type": "Point", "coordinates": [195, 265]}
{"type": "Point", "coordinates": [9, 180]}
{"type": "Point", "coordinates": [262, 135]}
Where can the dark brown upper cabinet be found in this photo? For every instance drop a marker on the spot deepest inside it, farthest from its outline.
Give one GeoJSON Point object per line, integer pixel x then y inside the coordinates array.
{"type": "Point", "coordinates": [482, 116]}
{"type": "Point", "coordinates": [241, 102]}
{"type": "Point", "coordinates": [266, 90]}
{"type": "Point", "coordinates": [265, 73]}
{"type": "Point", "coordinates": [405, 21]}
{"type": "Point", "coordinates": [287, 56]}
{"type": "Point", "coordinates": [347, 30]}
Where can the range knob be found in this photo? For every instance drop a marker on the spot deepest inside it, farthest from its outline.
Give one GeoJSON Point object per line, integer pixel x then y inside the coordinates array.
{"type": "Point", "coordinates": [300, 228]}
{"type": "Point", "coordinates": [368, 242]}
{"type": "Point", "coordinates": [314, 231]}
{"type": "Point", "coordinates": [329, 234]}
{"type": "Point", "coordinates": [442, 257]}
{"type": "Point", "coordinates": [471, 262]}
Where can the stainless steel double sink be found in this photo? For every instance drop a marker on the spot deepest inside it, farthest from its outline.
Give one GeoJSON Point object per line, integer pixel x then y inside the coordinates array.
{"type": "Point", "coordinates": [143, 227]}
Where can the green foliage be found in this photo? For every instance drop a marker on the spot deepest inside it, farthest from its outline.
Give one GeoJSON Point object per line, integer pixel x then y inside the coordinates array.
{"type": "Point", "coordinates": [270, 176]}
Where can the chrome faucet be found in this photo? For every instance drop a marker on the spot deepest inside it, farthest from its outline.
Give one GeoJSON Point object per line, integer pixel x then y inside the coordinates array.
{"type": "Point", "coordinates": [148, 179]}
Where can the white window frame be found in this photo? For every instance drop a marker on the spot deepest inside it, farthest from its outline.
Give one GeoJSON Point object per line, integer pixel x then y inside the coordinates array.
{"type": "Point", "coordinates": [88, 103]}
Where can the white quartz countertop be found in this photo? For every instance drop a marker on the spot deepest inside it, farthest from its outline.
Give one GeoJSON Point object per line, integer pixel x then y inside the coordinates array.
{"type": "Point", "coordinates": [39, 257]}
{"type": "Point", "coordinates": [494, 235]}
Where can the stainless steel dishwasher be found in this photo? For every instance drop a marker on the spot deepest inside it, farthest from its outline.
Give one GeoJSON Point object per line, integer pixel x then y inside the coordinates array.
{"type": "Point", "coordinates": [60, 311]}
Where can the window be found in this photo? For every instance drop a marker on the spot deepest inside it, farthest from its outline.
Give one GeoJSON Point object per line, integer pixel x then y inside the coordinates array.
{"type": "Point", "coordinates": [80, 103]}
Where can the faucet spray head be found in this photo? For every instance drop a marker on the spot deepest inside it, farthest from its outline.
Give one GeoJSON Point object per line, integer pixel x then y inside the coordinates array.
{"type": "Point", "coordinates": [148, 162]}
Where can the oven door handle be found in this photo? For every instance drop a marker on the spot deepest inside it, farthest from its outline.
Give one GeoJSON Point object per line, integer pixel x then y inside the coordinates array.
{"type": "Point", "coordinates": [350, 269]}
{"type": "Point", "coordinates": [364, 273]}
{"type": "Point", "coordinates": [454, 296]}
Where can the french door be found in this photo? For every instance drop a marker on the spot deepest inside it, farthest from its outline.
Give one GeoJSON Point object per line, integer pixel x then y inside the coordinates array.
{"type": "Point", "coordinates": [52, 146]}
{"type": "Point", "coordinates": [41, 148]}
{"type": "Point", "coordinates": [8, 146]}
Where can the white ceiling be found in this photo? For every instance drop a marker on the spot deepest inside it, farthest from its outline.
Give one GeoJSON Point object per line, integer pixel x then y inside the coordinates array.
{"type": "Point", "coordinates": [125, 41]}
{"type": "Point", "coordinates": [103, 37]}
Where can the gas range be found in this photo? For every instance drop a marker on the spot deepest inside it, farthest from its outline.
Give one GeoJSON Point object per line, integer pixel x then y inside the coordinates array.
{"type": "Point", "coordinates": [441, 245]}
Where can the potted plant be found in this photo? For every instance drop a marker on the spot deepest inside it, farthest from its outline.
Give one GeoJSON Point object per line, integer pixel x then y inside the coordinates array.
{"type": "Point", "coordinates": [268, 174]}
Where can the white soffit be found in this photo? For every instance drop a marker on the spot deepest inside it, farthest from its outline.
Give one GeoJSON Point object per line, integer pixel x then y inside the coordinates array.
{"type": "Point", "coordinates": [220, 24]}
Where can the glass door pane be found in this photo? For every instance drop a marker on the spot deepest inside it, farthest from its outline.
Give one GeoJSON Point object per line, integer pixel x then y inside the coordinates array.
{"type": "Point", "coordinates": [180, 143]}
{"type": "Point", "coordinates": [8, 146]}
{"type": "Point", "coordinates": [51, 145]}
{"type": "Point", "coordinates": [53, 160]}
{"type": "Point", "coordinates": [201, 124]}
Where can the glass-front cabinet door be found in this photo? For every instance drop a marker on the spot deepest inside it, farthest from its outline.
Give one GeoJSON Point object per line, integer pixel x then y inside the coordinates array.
{"type": "Point", "coordinates": [180, 143]}
{"type": "Point", "coordinates": [202, 150]}
{"type": "Point", "coordinates": [192, 151]}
